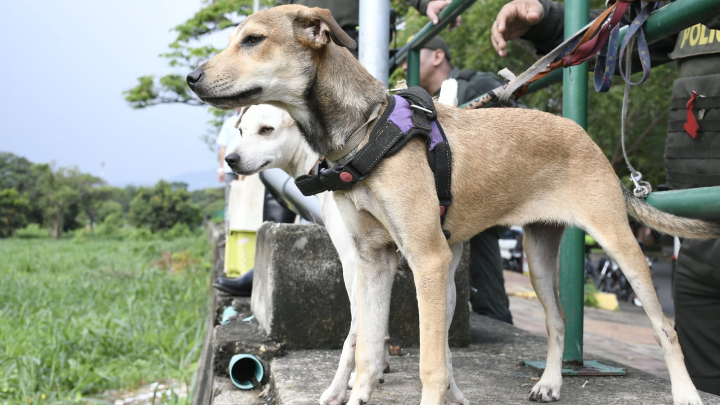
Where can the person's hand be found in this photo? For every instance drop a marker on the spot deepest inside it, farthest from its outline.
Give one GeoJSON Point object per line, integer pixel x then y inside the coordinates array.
{"type": "Point", "coordinates": [221, 176]}
{"type": "Point", "coordinates": [513, 21]}
{"type": "Point", "coordinates": [435, 7]}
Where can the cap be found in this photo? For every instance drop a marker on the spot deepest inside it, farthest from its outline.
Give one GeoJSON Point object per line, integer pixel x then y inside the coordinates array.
{"type": "Point", "coordinates": [438, 43]}
{"type": "Point", "coordinates": [434, 44]}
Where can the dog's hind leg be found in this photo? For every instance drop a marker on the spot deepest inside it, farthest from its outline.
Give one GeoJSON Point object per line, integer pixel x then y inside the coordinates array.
{"type": "Point", "coordinates": [614, 234]}
{"type": "Point", "coordinates": [453, 396]}
{"type": "Point", "coordinates": [542, 244]}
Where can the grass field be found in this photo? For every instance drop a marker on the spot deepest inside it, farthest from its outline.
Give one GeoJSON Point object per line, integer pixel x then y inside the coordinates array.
{"type": "Point", "coordinates": [78, 317]}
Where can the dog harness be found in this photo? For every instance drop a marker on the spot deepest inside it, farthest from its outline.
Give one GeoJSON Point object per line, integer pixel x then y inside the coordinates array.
{"type": "Point", "coordinates": [409, 113]}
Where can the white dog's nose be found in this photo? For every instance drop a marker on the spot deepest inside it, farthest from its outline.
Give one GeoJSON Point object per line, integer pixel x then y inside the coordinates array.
{"type": "Point", "coordinates": [232, 159]}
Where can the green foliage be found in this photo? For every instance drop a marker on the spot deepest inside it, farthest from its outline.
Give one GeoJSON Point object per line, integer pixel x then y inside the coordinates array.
{"type": "Point", "coordinates": [590, 299]}
{"type": "Point", "coordinates": [32, 231]}
{"type": "Point", "coordinates": [102, 315]}
{"type": "Point", "coordinates": [64, 191]}
{"type": "Point", "coordinates": [107, 208]}
{"type": "Point", "coordinates": [210, 200]}
{"type": "Point", "coordinates": [13, 208]}
{"type": "Point", "coordinates": [162, 206]}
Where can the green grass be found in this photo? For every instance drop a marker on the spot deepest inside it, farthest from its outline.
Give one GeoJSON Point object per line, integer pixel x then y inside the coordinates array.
{"type": "Point", "coordinates": [78, 317]}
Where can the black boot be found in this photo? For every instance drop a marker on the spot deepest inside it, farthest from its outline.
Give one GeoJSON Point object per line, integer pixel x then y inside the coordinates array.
{"type": "Point", "coordinates": [240, 287]}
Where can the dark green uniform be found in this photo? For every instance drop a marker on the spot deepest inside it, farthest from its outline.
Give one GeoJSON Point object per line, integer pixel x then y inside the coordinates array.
{"type": "Point", "coordinates": [690, 162]}
{"type": "Point", "coordinates": [487, 283]}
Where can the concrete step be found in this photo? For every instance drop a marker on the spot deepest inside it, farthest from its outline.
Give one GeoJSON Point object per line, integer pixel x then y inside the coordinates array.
{"type": "Point", "coordinates": [489, 371]}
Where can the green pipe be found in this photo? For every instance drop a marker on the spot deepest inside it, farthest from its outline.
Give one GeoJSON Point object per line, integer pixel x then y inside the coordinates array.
{"type": "Point", "coordinates": [677, 16]}
{"type": "Point", "coordinates": [703, 203]}
{"type": "Point", "coordinates": [666, 21]}
{"type": "Point", "coordinates": [243, 368]}
{"type": "Point", "coordinates": [572, 276]}
{"type": "Point", "coordinates": [430, 30]}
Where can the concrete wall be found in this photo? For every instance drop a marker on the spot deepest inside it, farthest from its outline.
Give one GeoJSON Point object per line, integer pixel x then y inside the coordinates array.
{"type": "Point", "coordinates": [299, 297]}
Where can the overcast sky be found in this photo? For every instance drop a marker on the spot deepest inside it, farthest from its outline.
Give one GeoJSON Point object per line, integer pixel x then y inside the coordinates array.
{"type": "Point", "coordinates": [64, 67]}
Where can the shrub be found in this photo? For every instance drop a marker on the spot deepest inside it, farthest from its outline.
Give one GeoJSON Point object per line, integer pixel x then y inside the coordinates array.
{"type": "Point", "coordinates": [32, 231]}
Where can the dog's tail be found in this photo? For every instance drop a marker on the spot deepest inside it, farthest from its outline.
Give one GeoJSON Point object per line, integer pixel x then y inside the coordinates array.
{"type": "Point", "coordinates": [669, 223]}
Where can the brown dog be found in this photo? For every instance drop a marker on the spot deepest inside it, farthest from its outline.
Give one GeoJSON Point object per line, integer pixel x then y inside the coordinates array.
{"type": "Point", "coordinates": [510, 166]}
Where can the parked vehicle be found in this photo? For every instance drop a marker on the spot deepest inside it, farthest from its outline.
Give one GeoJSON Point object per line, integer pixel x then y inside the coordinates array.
{"type": "Point", "coordinates": [610, 278]}
{"type": "Point", "coordinates": [511, 249]}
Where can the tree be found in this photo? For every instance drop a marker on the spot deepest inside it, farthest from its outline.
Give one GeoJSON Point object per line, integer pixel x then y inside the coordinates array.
{"type": "Point", "coordinates": [162, 206]}
{"type": "Point", "coordinates": [215, 16]}
{"type": "Point", "coordinates": [64, 193]}
{"type": "Point", "coordinates": [13, 208]}
{"type": "Point", "coordinates": [18, 173]}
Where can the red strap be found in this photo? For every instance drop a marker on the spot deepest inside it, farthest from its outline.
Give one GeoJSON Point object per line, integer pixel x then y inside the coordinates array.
{"type": "Point", "coordinates": [588, 49]}
{"type": "Point", "coordinates": [691, 125]}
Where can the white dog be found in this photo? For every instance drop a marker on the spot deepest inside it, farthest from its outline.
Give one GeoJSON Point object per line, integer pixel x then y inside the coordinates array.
{"type": "Point", "coordinates": [270, 139]}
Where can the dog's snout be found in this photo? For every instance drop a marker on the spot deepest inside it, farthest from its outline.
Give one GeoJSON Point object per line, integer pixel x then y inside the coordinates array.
{"type": "Point", "coordinates": [232, 159]}
{"type": "Point", "coordinates": [194, 76]}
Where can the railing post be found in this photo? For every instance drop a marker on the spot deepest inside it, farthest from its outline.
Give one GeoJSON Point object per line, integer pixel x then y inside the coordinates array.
{"type": "Point", "coordinates": [413, 67]}
{"type": "Point", "coordinates": [572, 278]}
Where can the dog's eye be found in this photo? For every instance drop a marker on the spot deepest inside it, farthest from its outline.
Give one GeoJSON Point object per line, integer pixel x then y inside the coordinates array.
{"type": "Point", "coordinates": [252, 40]}
{"type": "Point", "coordinates": [266, 130]}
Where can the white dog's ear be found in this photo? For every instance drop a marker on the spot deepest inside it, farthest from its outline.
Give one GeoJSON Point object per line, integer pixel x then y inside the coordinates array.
{"type": "Point", "coordinates": [240, 115]}
{"type": "Point", "coordinates": [316, 27]}
{"type": "Point", "coordinates": [287, 120]}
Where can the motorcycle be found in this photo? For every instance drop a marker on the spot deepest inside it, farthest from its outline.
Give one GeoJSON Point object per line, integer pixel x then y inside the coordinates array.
{"type": "Point", "coordinates": [610, 278]}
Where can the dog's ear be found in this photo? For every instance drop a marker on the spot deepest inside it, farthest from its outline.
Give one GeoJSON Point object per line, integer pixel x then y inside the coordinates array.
{"type": "Point", "coordinates": [240, 115]}
{"type": "Point", "coordinates": [287, 120]}
{"type": "Point", "coordinates": [318, 27]}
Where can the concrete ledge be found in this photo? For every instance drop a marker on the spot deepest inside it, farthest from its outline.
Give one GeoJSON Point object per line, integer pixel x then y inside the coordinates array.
{"type": "Point", "coordinates": [299, 295]}
{"type": "Point", "coordinates": [487, 372]}
{"type": "Point", "coordinates": [238, 337]}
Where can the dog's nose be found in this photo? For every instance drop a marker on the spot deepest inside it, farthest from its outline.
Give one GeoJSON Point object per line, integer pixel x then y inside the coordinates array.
{"type": "Point", "coordinates": [194, 76]}
{"type": "Point", "coordinates": [232, 159]}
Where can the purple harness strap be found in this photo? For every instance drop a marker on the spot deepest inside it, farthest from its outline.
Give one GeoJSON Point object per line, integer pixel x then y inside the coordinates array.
{"type": "Point", "coordinates": [402, 118]}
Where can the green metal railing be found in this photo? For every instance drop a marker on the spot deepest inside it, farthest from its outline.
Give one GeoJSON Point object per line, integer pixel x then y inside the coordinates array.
{"type": "Point", "coordinates": [701, 203]}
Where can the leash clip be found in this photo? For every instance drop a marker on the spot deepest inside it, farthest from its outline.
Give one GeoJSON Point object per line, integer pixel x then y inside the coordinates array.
{"type": "Point", "coordinates": [642, 188]}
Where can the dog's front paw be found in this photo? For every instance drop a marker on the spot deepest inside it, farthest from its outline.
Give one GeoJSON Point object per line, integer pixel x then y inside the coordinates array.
{"type": "Point", "coordinates": [687, 398]}
{"type": "Point", "coordinates": [330, 397]}
{"type": "Point", "coordinates": [545, 391]}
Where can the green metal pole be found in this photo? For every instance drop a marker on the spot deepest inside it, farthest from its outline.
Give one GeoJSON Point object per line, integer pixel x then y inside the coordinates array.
{"type": "Point", "coordinates": [413, 68]}
{"type": "Point", "coordinates": [572, 278]}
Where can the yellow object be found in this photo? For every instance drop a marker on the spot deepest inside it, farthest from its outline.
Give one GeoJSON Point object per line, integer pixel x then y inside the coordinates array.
{"type": "Point", "coordinates": [607, 301]}
{"type": "Point", "coordinates": [239, 253]}
{"type": "Point", "coordinates": [244, 217]}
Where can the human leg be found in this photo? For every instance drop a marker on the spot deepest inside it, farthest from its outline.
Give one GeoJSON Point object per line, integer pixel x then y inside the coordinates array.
{"type": "Point", "coordinates": [488, 295]}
